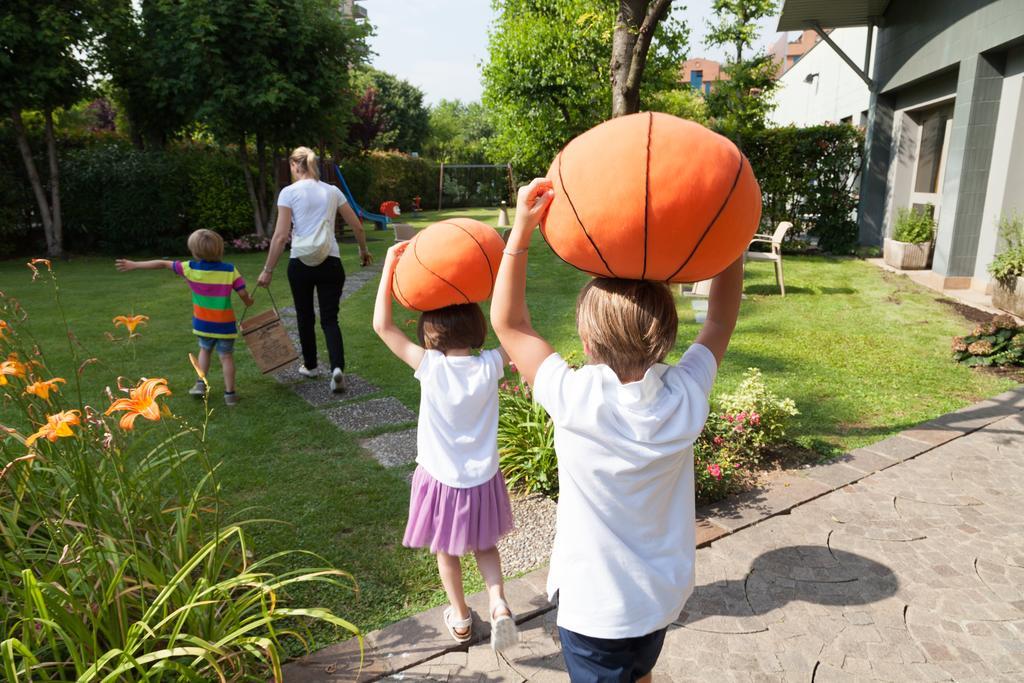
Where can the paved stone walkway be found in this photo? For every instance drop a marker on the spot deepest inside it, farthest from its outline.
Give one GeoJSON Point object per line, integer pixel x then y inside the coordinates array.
{"type": "Point", "coordinates": [359, 408]}
{"type": "Point", "coordinates": [913, 573]}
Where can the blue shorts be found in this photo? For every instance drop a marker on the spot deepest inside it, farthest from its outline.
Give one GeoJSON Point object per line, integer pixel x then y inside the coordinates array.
{"type": "Point", "coordinates": [610, 660]}
{"type": "Point", "coordinates": [224, 346]}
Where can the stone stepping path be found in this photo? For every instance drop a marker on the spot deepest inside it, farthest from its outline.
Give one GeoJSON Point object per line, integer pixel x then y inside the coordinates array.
{"type": "Point", "coordinates": [347, 410]}
{"type": "Point", "coordinates": [372, 414]}
{"type": "Point", "coordinates": [393, 449]}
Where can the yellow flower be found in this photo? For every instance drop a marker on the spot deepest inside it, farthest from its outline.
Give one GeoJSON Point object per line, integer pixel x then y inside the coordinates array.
{"type": "Point", "coordinates": [56, 426]}
{"type": "Point", "coordinates": [11, 367]}
{"type": "Point", "coordinates": [42, 388]}
{"type": "Point", "coordinates": [141, 401]}
{"type": "Point", "coordinates": [130, 322]}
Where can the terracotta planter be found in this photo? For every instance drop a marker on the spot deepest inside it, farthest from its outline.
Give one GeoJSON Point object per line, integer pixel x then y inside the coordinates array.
{"type": "Point", "coordinates": [1008, 299]}
{"type": "Point", "coordinates": [907, 255]}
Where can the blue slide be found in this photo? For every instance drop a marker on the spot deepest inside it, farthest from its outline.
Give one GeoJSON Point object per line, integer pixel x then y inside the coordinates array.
{"type": "Point", "coordinates": [381, 220]}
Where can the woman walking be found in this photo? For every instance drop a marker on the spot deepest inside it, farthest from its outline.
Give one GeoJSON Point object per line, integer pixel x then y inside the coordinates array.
{"type": "Point", "coordinates": [306, 212]}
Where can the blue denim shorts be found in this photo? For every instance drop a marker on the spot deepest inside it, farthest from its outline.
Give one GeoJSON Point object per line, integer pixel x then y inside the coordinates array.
{"type": "Point", "coordinates": [223, 346]}
{"type": "Point", "coordinates": [610, 660]}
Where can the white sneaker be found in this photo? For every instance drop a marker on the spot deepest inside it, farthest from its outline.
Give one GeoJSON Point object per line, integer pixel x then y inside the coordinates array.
{"type": "Point", "coordinates": [337, 381]}
{"type": "Point", "coordinates": [305, 372]}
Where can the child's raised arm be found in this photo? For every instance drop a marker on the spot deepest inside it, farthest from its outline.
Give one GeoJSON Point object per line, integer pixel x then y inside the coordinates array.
{"type": "Point", "coordinates": [124, 265]}
{"type": "Point", "coordinates": [509, 316]}
{"type": "Point", "coordinates": [723, 309]}
{"type": "Point", "coordinates": [383, 324]}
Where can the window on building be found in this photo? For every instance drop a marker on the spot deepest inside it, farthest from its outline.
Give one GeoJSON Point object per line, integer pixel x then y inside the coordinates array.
{"type": "Point", "coordinates": [933, 137]}
{"type": "Point", "coordinates": [696, 78]}
{"type": "Point", "coordinates": [847, 119]}
{"type": "Point", "coordinates": [796, 58]}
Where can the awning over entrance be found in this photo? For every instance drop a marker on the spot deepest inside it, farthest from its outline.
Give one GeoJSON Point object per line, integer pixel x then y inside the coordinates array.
{"type": "Point", "coordinates": [799, 14]}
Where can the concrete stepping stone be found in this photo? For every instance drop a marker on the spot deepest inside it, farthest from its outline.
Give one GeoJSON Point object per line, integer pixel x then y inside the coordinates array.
{"type": "Point", "coordinates": [393, 449]}
{"type": "Point", "coordinates": [377, 412]}
{"type": "Point", "coordinates": [317, 392]}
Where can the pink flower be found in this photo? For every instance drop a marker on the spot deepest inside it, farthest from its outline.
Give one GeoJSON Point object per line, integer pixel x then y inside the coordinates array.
{"type": "Point", "coordinates": [715, 471]}
{"type": "Point", "coordinates": [755, 419]}
{"type": "Point", "coordinates": [727, 417]}
{"type": "Point", "coordinates": [738, 428]}
{"type": "Point", "coordinates": [718, 441]}
{"type": "Point", "coordinates": [515, 389]}
{"type": "Point", "coordinates": [741, 417]}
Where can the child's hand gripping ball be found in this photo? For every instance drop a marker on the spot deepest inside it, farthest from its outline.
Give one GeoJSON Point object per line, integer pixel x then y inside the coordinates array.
{"type": "Point", "coordinates": [454, 261]}
{"type": "Point", "coordinates": [652, 197]}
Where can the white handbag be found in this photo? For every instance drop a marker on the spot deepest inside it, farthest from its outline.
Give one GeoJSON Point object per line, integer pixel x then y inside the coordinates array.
{"type": "Point", "coordinates": [314, 248]}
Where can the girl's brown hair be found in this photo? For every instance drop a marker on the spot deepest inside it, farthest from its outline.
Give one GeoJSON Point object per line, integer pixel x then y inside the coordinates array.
{"type": "Point", "coordinates": [629, 325]}
{"type": "Point", "coordinates": [453, 327]}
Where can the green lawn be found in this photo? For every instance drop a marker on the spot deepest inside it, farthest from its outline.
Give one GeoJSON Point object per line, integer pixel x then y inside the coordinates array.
{"type": "Point", "coordinates": [862, 353]}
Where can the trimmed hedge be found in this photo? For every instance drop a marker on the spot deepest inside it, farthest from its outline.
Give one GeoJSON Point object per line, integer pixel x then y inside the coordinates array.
{"type": "Point", "coordinates": [809, 176]}
{"type": "Point", "coordinates": [379, 177]}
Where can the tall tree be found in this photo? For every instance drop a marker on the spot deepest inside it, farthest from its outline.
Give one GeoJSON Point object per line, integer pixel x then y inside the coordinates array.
{"type": "Point", "coordinates": [42, 47]}
{"type": "Point", "coordinates": [403, 117]}
{"type": "Point", "coordinates": [459, 133]}
{"type": "Point", "coordinates": [635, 24]}
{"type": "Point", "coordinates": [153, 51]}
{"type": "Point", "coordinates": [547, 76]}
{"type": "Point", "coordinates": [276, 74]}
{"type": "Point", "coordinates": [741, 103]}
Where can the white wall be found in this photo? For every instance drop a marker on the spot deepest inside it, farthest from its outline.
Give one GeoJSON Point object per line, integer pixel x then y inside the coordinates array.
{"type": "Point", "coordinates": [836, 93]}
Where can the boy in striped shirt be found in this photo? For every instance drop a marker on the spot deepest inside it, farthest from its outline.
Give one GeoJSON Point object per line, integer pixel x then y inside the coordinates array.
{"type": "Point", "coordinates": [213, 320]}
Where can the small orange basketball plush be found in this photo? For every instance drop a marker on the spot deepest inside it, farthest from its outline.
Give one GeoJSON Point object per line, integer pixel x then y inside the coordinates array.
{"type": "Point", "coordinates": [451, 262]}
{"type": "Point", "coordinates": [651, 197]}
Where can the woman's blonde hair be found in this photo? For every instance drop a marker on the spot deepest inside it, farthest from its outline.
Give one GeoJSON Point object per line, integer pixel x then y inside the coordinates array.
{"type": "Point", "coordinates": [206, 245]}
{"type": "Point", "coordinates": [629, 325]}
{"type": "Point", "coordinates": [305, 159]}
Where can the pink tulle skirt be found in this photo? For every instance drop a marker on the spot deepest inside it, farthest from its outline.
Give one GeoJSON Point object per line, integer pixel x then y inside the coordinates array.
{"type": "Point", "coordinates": [456, 521]}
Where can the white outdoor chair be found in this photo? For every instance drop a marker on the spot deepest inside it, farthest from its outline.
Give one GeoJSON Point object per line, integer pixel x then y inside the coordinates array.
{"type": "Point", "coordinates": [775, 255]}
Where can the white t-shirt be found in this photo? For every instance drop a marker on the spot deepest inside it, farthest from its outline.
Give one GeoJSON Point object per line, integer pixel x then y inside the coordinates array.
{"type": "Point", "coordinates": [622, 562]}
{"type": "Point", "coordinates": [310, 201]}
{"type": "Point", "coordinates": [457, 436]}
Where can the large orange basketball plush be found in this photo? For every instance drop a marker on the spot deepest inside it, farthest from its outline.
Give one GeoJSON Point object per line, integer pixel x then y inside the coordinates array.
{"type": "Point", "coordinates": [451, 262]}
{"type": "Point", "coordinates": [652, 197]}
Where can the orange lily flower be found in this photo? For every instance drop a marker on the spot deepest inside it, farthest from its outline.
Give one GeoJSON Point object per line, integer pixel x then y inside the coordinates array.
{"type": "Point", "coordinates": [56, 426]}
{"type": "Point", "coordinates": [39, 261]}
{"type": "Point", "coordinates": [130, 322]}
{"type": "Point", "coordinates": [43, 387]}
{"type": "Point", "coordinates": [5, 329]}
{"type": "Point", "coordinates": [141, 401]}
{"type": "Point", "coordinates": [11, 367]}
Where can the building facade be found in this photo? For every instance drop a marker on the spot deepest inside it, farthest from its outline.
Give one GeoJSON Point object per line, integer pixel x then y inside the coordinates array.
{"type": "Point", "coordinates": [821, 87]}
{"type": "Point", "coordinates": [945, 124]}
{"type": "Point", "coordinates": [702, 74]}
{"type": "Point", "coordinates": [787, 53]}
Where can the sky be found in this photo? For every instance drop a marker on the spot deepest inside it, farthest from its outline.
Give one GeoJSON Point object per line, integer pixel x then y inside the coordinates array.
{"type": "Point", "coordinates": [437, 45]}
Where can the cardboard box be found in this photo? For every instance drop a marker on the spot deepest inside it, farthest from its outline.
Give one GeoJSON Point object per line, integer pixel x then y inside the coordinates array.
{"type": "Point", "coordinates": [268, 341]}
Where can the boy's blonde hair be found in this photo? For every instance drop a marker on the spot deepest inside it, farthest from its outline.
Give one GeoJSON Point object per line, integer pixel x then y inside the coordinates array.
{"type": "Point", "coordinates": [206, 245]}
{"type": "Point", "coordinates": [629, 325]}
{"type": "Point", "coordinates": [305, 159]}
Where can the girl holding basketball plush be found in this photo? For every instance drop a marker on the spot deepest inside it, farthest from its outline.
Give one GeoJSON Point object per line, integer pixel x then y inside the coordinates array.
{"type": "Point", "coordinates": [622, 566]}
{"type": "Point", "coordinates": [459, 502]}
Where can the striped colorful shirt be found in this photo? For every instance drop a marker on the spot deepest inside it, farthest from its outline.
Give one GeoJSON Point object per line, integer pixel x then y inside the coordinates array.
{"type": "Point", "coordinates": [211, 283]}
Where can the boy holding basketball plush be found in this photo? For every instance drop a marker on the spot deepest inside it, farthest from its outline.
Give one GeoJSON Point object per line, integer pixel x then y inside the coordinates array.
{"type": "Point", "coordinates": [623, 559]}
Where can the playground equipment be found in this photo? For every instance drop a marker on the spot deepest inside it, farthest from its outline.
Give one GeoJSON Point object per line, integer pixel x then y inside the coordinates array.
{"type": "Point", "coordinates": [380, 220]}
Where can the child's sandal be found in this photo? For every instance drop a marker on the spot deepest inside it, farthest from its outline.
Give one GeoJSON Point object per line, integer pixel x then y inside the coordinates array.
{"type": "Point", "coordinates": [456, 625]}
{"type": "Point", "coordinates": [504, 633]}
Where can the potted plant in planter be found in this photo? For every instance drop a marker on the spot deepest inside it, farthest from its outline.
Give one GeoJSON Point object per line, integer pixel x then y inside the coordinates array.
{"type": "Point", "coordinates": [1008, 266]}
{"type": "Point", "coordinates": [911, 242]}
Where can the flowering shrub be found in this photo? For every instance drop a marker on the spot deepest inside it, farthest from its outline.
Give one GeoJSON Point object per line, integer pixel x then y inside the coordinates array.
{"type": "Point", "coordinates": [526, 441]}
{"type": "Point", "coordinates": [1000, 343]}
{"type": "Point", "coordinates": [739, 429]}
{"type": "Point", "coordinates": [251, 242]}
{"type": "Point", "coordinates": [117, 563]}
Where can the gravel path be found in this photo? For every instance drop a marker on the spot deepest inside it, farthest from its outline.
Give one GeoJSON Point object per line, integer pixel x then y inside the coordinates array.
{"type": "Point", "coordinates": [529, 544]}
